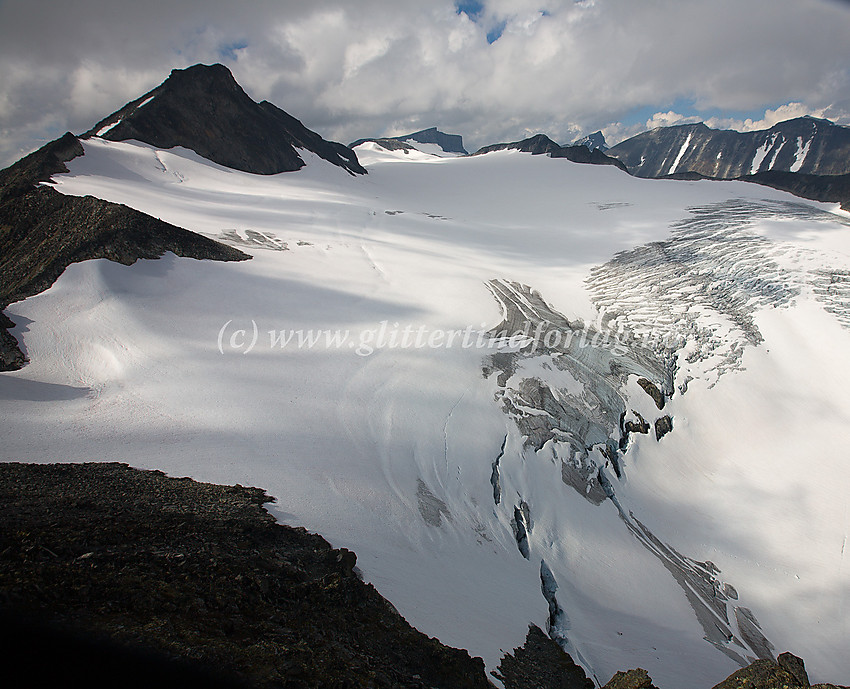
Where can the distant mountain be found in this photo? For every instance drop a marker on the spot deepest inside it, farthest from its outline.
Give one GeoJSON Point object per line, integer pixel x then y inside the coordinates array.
{"type": "Point", "coordinates": [540, 144]}
{"type": "Point", "coordinates": [450, 143]}
{"type": "Point", "coordinates": [593, 141]}
{"type": "Point", "coordinates": [804, 144]}
{"type": "Point", "coordinates": [203, 108]}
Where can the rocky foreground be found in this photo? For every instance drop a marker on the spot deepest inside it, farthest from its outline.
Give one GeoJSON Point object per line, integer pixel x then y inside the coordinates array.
{"type": "Point", "coordinates": [115, 576]}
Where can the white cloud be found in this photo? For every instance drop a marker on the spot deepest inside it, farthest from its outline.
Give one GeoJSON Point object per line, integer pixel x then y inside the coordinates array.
{"type": "Point", "coordinates": [780, 114]}
{"type": "Point", "coordinates": [669, 119]}
{"type": "Point", "coordinates": [381, 67]}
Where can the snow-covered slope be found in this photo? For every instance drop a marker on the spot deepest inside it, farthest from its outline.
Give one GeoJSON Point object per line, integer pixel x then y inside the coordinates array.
{"type": "Point", "coordinates": [487, 482]}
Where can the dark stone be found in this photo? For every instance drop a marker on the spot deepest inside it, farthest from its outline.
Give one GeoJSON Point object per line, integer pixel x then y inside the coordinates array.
{"type": "Point", "coordinates": [794, 666]}
{"type": "Point", "coordinates": [346, 561]}
{"type": "Point", "coordinates": [652, 390]}
{"type": "Point", "coordinates": [11, 356]}
{"type": "Point", "coordinates": [540, 664]}
{"type": "Point", "coordinates": [450, 143]}
{"type": "Point", "coordinates": [762, 674]}
{"type": "Point", "coordinates": [663, 426]}
{"type": "Point", "coordinates": [203, 108]}
{"type": "Point", "coordinates": [639, 426]}
{"type": "Point", "coordinates": [177, 569]}
{"type": "Point", "coordinates": [633, 679]}
{"type": "Point", "coordinates": [540, 144]}
{"type": "Point", "coordinates": [788, 673]}
{"type": "Point", "coordinates": [59, 656]}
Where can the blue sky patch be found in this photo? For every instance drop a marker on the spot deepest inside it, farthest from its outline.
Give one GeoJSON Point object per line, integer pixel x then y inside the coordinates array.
{"type": "Point", "coordinates": [471, 8]}
{"type": "Point", "coordinates": [494, 33]}
{"type": "Point", "coordinates": [228, 51]}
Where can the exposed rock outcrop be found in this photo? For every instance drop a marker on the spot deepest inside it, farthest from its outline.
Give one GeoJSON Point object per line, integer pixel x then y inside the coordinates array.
{"type": "Point", "coordinates": [201, 572]}
{"type": "Point", "coordinates": [540, 144]}
{"type": "Point", "coordinates": [450, 143]}
{"type": "Point", "coordinates": [827, 188]}
{"type": "Point", "coordinates": [540, 664]}
{"type": "Point", "coordinates": [112, 576]}
{"type": "Point", "coordinates": [203, 108]}
{"type": "Point", "coordinates": [632, 679]}
{"type": "Point", "coordinates": [663, 426]}
{"type": "Point", "coordinates": [788, 672]}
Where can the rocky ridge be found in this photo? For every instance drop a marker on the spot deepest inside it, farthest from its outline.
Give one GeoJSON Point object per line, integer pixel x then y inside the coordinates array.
{"type": "Point", "coordinates": [805, 144]}
{"type": "Point", "coordinates": [203, 573]}
{"type": "Point", "coordinates": [42, 232]}
{"type": "Point", "coordinates": [450, 143]}
{"type": "Point", "coordinates": [202, 108]}
{"type": "Point", "coordinates": [540, 144]}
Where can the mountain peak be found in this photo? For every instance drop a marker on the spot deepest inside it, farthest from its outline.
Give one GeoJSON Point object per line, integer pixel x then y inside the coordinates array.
{"type": "Point", "coordinates": [204, 109]}
{"type": "Point", "coordinates": [541, 144]}
{"type": "Point", "coordinates": [450, 143]}
{"type": "Point", "coordinates": [593, 141]}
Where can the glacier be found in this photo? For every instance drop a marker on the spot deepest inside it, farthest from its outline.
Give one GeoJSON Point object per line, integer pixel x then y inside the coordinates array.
{"type": "Point", "coordinates": [487, 487]}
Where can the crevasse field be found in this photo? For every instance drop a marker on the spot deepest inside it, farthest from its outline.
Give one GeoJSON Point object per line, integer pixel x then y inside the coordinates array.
{"type": "Point", "coordinates": [483, 483]}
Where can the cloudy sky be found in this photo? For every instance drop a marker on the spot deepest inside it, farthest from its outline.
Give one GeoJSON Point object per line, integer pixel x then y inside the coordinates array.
{"type": "Point", "coordinates": [492, 70]}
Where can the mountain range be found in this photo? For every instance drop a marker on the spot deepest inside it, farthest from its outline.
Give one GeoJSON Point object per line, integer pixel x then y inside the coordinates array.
{"type": "Point", "coordinates": [530, 394]}
{"type": "Point", "coordinates": [805, 144]}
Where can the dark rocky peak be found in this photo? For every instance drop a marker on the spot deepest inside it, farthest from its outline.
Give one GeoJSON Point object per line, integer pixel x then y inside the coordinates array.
{"type": "Point", "coordinates": [540, 144]}
{"type": "Point", "coordinates": [203, 108]}
{"type": "Point", "coordinates": [593, 141]}
{"type": "Point", "coordinates": [450, 143]}
{"type": "Point", "coordinates": [537, 145]}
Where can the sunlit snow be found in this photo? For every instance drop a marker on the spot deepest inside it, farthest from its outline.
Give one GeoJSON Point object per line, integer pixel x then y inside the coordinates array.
{"type": "Point", "coordinates": [195, 368]}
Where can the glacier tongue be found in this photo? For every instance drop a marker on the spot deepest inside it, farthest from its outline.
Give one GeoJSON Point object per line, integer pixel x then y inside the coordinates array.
{"type": "Point", "coordinates": [564, 388]}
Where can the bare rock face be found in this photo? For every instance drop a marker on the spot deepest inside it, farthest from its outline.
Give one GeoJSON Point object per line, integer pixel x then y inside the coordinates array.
{"type": "Point", "coordinates": [804, 144]}
{"type": "Point", "coordinates": [663, 426]}
{"type": "Point", "coordinates": [540, 664]}
{"type": "Point", "coordinates": [203, 108]}
{"type": "Point", "coordinates": [794, 666]}
{"type": "Point", "coordinates": [805, 156]}
{"type": "Point", "coordinates": [787, 672]}
{"type": "Point", "coordinates": [633, 679]}
{"type": "Point", "coordinates": [120, 558]}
